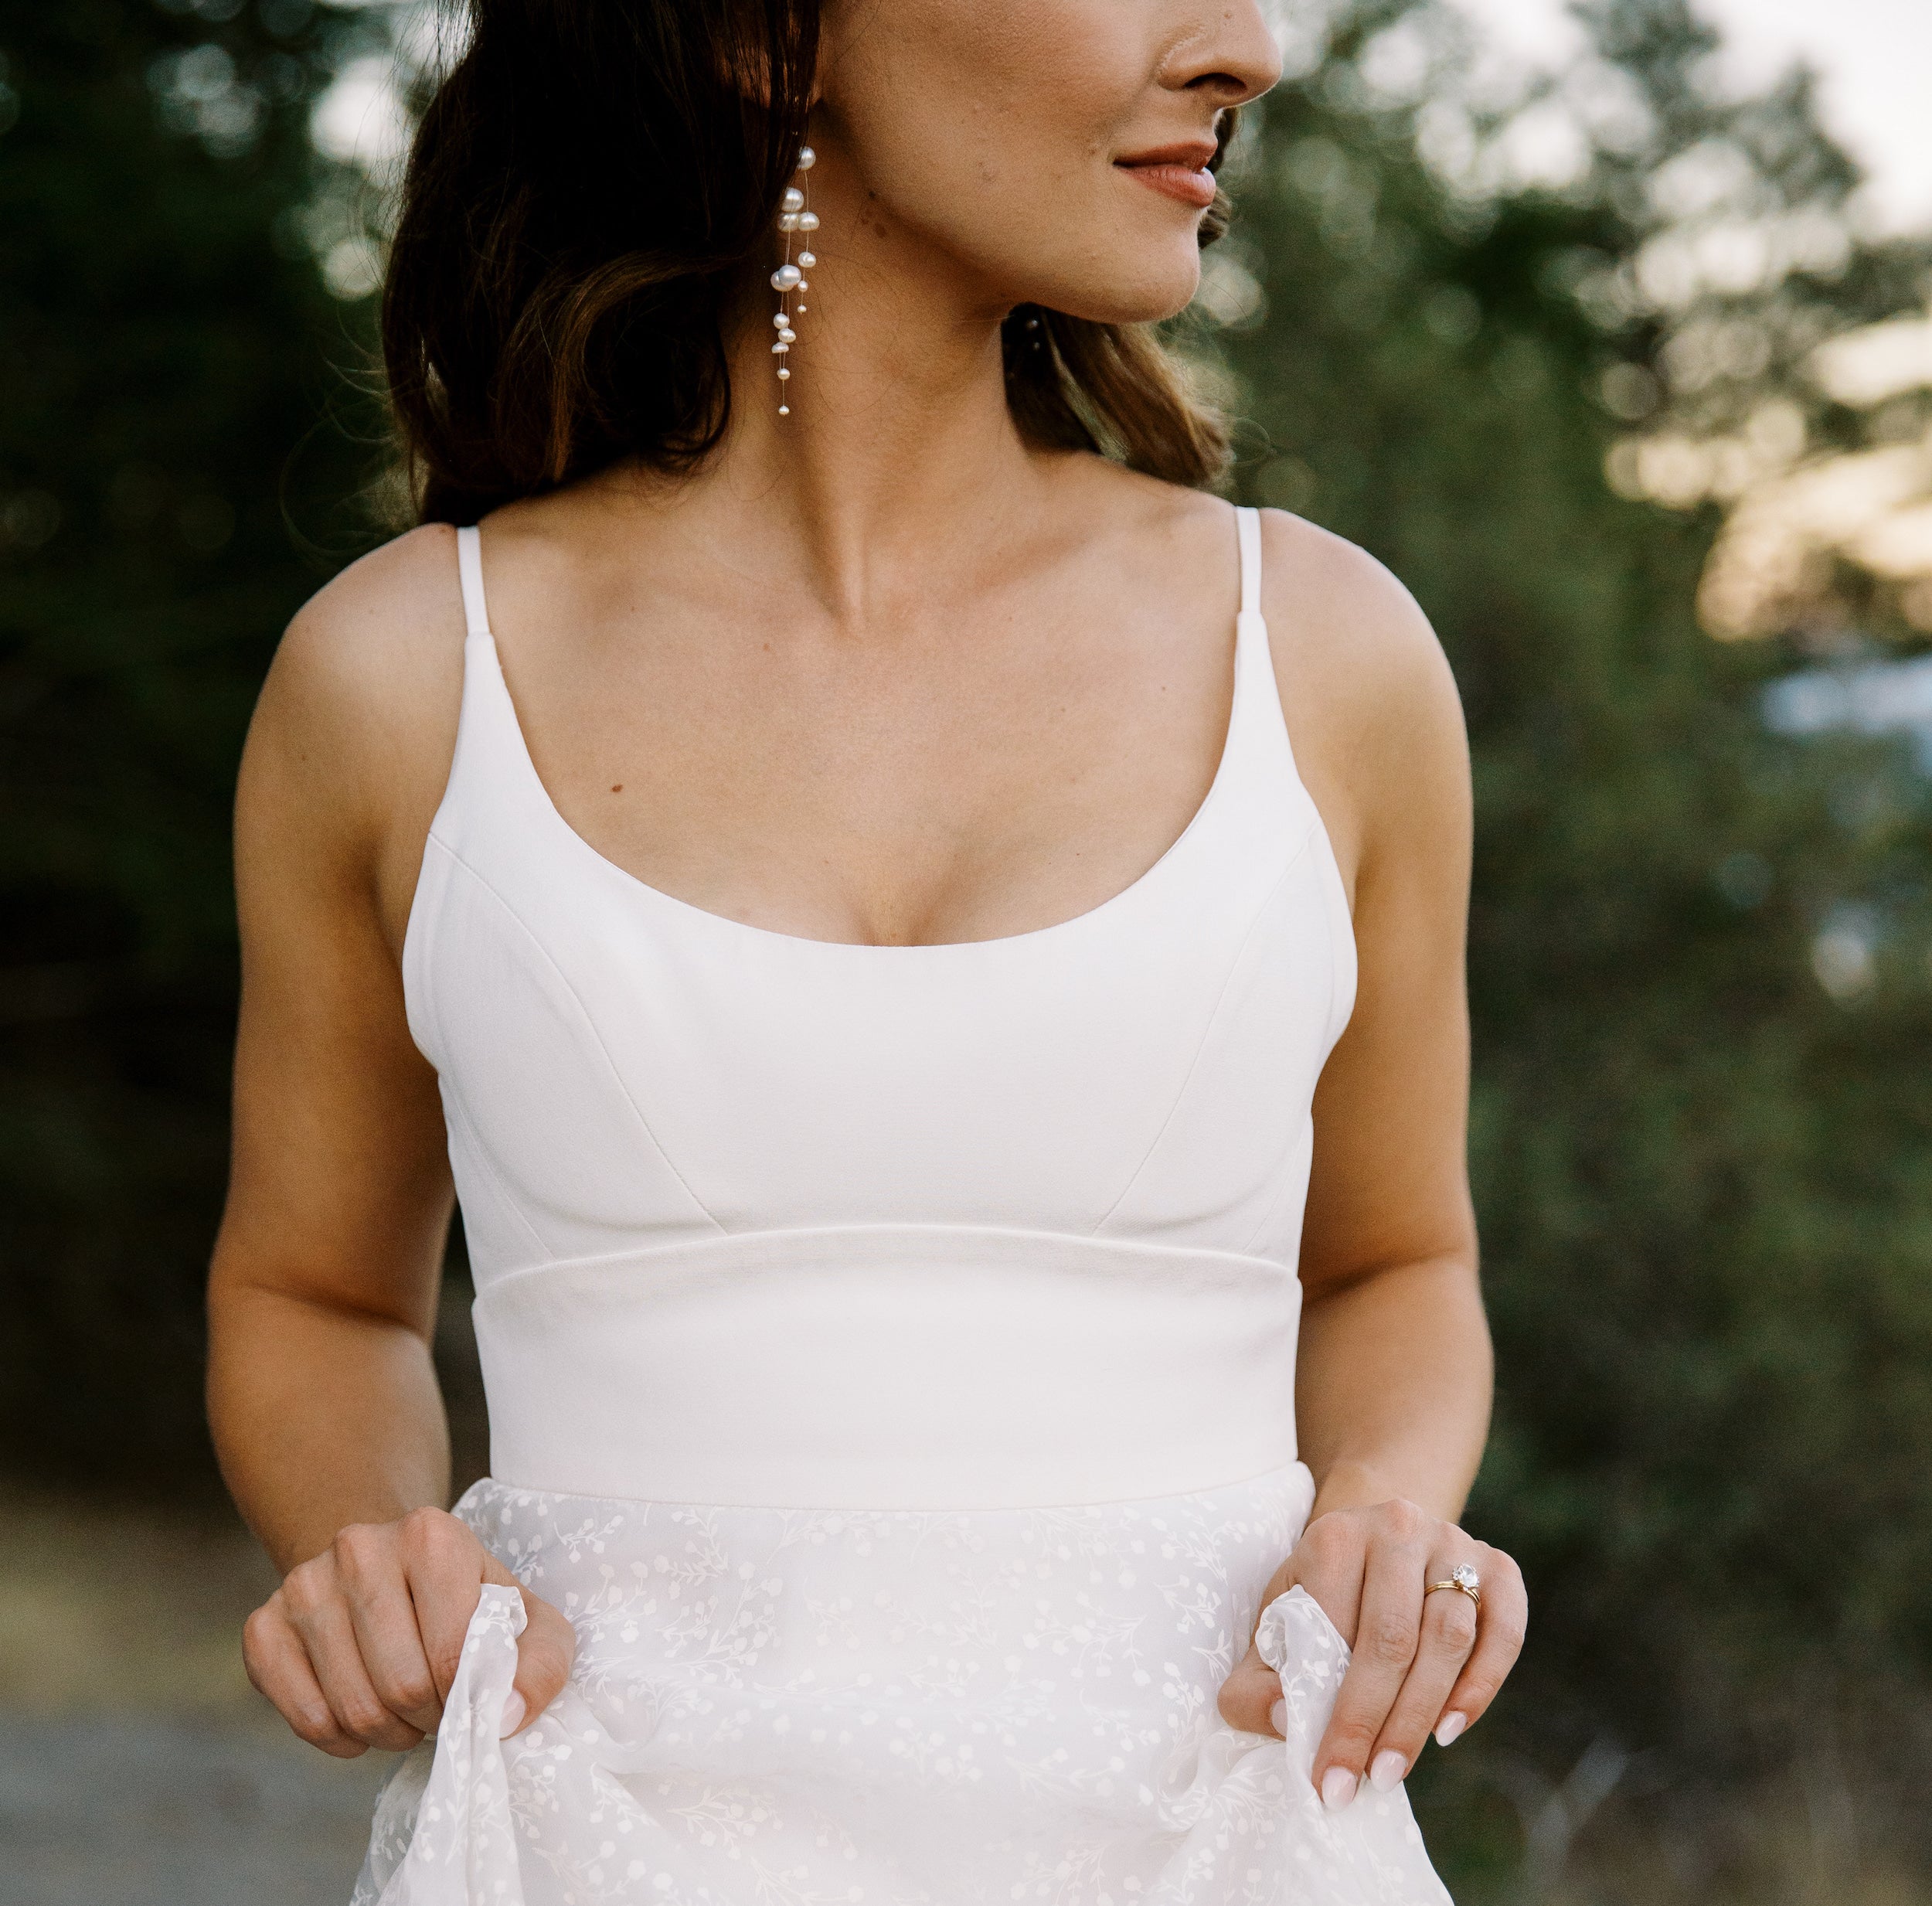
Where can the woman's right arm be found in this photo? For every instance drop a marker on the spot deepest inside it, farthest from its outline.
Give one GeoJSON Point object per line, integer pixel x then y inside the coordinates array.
{"type": "Point", "coordinates": [321, 1394]}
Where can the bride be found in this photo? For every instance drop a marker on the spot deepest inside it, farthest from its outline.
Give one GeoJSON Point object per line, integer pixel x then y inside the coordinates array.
{"type": "Point", "coordinates": [929, 948]}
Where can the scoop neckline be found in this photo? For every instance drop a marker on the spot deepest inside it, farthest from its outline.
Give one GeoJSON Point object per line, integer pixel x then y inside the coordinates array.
{"type": "Point", "coordinates": [714, 920]}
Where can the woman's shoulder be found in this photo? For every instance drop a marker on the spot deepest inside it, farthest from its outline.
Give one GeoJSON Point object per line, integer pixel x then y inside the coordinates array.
{"type": "Point", "coordinates": [1369, 696]}
{"type": "Point", "coordinates": [356, 727]}
{"type": "Point", "coordinates": [1347, 637]}
{"type": "Point", "coordinates": [1335, 609]}
{"type": "Point", "coordinates": [390, 622]}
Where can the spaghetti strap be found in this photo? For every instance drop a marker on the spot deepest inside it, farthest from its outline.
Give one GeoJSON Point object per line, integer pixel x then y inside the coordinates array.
{"type": "Point", "coordinates": [469, 568]}
{"type": "Point", "coordinates": [1248, 525]}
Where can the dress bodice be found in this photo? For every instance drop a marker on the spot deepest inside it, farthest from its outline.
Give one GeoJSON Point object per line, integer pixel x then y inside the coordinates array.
{"type": "Point", "coordinates": [658, 1114]}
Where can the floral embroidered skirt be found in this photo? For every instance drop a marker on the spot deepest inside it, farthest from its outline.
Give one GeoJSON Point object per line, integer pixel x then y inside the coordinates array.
{"type": "Point", "coordinates": [795, 1706]}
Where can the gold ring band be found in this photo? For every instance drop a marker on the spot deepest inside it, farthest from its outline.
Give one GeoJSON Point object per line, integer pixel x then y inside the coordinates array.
{"type": "Point", "coordinates": [1464, 1580]}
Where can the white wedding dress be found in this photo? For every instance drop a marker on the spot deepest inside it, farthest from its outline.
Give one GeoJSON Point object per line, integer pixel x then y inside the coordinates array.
{"type": "Point", "coordinates": [890, 1357]}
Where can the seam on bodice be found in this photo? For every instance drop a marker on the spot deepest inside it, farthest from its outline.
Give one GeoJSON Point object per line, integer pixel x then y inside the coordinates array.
{"type": "Point", "coordinates": [921, 1238]}
{"type": "Point", "coordinates": [590, 1028]}
{"type": "Point", "coordinates": [456, 1109]}
{"type": "Point", "coordinates": [1209, 1024]}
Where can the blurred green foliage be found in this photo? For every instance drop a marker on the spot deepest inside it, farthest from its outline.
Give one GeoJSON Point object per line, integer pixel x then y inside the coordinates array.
{"type": "Point", "coordinates": [173, 445]}
{"type": "Point", "coordinates": [1706, 1184]}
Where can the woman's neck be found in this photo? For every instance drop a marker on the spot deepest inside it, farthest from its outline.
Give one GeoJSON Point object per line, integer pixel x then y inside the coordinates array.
{"type": "Point", "coordinates": [899, 439]}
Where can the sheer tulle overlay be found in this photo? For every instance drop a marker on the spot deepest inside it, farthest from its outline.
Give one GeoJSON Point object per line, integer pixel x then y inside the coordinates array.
{"type": "Point", "coordinates": [795, 1706]}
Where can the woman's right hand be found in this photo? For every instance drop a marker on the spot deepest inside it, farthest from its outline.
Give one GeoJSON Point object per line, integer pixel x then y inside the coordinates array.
{"type": "Point", "coordinates": [358, 1647]}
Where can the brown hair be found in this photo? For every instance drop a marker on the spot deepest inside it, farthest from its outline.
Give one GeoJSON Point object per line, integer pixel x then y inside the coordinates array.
{"type": "Point", "coordinates": [586, 189]}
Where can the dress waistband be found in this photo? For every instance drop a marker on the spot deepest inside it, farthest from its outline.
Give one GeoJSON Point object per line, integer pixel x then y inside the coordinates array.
{"type": "Point", "coordinates": [891, 1367]}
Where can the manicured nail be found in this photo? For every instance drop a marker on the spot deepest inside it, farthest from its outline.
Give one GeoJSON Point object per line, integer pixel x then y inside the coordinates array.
{"type": "Point", "coordinates": [1278, 1718]}
{"type": "Point", "coordinates": [1386, 1771]}
{"type": "Point", "coordinates": [1451, 1724]}
{"type": "Point", "coordinates": [513, 1710]}
{"type": "Point", "coordinates": [1338, 1788]}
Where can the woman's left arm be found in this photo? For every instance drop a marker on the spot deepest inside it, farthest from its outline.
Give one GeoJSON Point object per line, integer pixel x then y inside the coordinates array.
{"type": "Point", "coordinates": [1393, 1389]}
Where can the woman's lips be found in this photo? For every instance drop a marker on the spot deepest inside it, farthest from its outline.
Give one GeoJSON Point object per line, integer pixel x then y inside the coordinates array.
{"type": "Point", "coordinates": [1193, 185]}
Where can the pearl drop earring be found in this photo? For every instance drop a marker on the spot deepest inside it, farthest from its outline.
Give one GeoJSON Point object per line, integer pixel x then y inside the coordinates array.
{"type": "Point", "coordinates": [794, 215]}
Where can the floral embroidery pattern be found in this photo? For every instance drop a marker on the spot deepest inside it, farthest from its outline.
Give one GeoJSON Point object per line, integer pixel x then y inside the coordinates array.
{"type": "Point", "coordinates": [798, 1708]}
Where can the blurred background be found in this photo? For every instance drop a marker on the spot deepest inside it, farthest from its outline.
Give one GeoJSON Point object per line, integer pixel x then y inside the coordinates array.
{"type": "Point", "coordinates": [1592, 325]}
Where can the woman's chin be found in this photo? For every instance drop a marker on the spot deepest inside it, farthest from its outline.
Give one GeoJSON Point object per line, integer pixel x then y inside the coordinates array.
{"type": "Point", "coordinates": [1145, 298]}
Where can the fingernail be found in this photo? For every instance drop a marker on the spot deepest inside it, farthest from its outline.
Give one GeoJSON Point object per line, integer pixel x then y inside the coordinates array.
{"type": "Point", "coordinates": [1387, 1770]}
{"type": "Point", "coordinates": [1338, 1788]}
{"type": "Point", "coordinates": [513, 1712]}
{"type": "Point", "coordinates": [1449, 1727]}
{"type": "Point", "coordinates": [1278, 1718]}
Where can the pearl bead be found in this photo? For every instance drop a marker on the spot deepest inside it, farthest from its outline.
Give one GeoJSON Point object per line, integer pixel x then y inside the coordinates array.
{"type": "Point", "coordinates": [779, 321]}
{"type": "Point", "coordinates": [793, 201]}
{"type": "Point", "coordinates": [788, 221]}
{"type": "Point", "coordinates": [806, 260]}
{"type": "Point", "coordinates": [787, 336]}
{"type": "Point", "coordinates": [783, 372]}
{"type": "Point", "coordinates": [784, 410]}
{"type": "Point", "coordinates": [780, 348]}
{"type": "Point", "coordinates": [807, 159]}
{"type": "Point", "coordinates": [808, 221]}
{"type": "Point", "coordinates": [786, 276]}
{"type": "Point", "coordinates": [802, 309]}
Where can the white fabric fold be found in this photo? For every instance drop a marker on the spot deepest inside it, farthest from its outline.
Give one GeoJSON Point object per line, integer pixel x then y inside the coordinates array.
{"type": "Point", "coordinates": [1369, 1852]}
{"type": "Point", "coordinates": [891, 1708]}
{"type": "Point", "coordinates": [463, 1852]}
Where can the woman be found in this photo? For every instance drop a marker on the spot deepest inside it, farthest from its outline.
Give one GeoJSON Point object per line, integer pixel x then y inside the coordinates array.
{"type": "Point", "coordinates": [861, 886]}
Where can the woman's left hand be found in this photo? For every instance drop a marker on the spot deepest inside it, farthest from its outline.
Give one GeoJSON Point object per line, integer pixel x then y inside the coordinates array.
{"type": "Point", "coordinates": [1422, 1662]}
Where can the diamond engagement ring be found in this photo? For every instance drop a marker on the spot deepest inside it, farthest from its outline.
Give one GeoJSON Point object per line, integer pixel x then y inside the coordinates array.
{"type": "Point", "coordinates": [1462, 1577]}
